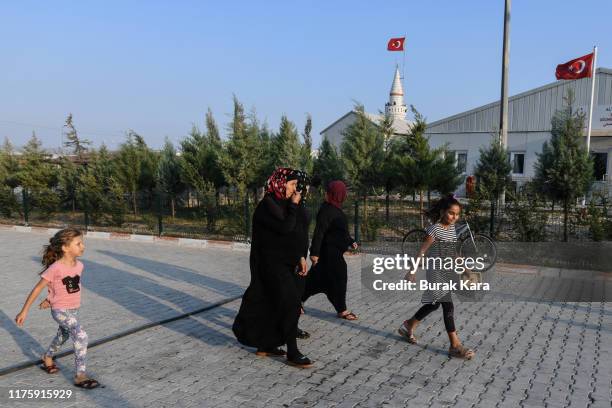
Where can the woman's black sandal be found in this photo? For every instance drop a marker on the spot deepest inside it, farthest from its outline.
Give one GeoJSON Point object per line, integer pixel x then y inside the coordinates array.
{"type": "Point", "coordinates": [302, 334]}
{"type": "Point", "coordinates": [300, 361]}
{"type": "Point", "coordinates": [273, 352]}
{"type": "Point", "coordinates": [88, 384]}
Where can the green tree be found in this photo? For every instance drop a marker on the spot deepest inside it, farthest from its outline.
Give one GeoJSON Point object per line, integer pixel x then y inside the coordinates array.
{"type": "Point", "coordinates": [68, 182]}
{"type": "Point", "coordinates": [493, 175]}
{"type": "Point", "coordinates": [128, 168]}
{"type": "Point", "coordinates": [287, 148]}
{"type": "Point", "coordinates": [239, 158]}
{"type": "Point", "coordinates": [169, 175]}
{"type": "Point", "coordinates": [306, 162]}
{"type": "Point", "coordinates": [9, 169]}
{"type": "Point", "coordinates": [212, 130]}
{"type": "Point", "coordinates": [564, 170]}
{"type": "Point", "coordinates": [363, 157]}
{"type": "Point", "coordinates": [99, 192]}
{"type": "Point", "coordinates": [267, 154]}
{"type": "Point", "coordinates": [215, 146]}
{"type": "Point", "coordinates": [526, 215]}
{"type": "Point", "coordinates": [389, 168]}
{"type": "Point", "coordinates": [79, 146]}
{"type": "Point", "coordinates": [446, 177]}
{"type": "Point", "coordinates": [328, 165]}
{"type": "Point", "coordinates": [416, 161]}
{"type": "Point", "coordinates": [37, 178]}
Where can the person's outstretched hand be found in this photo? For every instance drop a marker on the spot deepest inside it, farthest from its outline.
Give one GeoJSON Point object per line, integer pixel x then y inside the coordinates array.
{"type": "Point", "coordinates": [314, 259]}
{"type": "Point", "coordinates": [20, 318]}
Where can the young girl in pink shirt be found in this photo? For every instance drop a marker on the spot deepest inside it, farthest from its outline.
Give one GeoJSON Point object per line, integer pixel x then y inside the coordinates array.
{"type": "Point", "coordinates": [62, 277]}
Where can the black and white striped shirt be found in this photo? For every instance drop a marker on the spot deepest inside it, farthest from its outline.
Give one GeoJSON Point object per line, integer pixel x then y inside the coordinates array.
{"type": "Point", "coordinates": [445, 244]}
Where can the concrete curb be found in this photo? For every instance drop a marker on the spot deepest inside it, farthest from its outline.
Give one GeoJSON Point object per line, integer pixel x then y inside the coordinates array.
{"type": "Point", "coordinates": [120, 236]}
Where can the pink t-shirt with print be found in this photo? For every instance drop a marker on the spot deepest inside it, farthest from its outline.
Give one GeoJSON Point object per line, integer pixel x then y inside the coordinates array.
{"type": "Point", "coordinates": [64, 285]}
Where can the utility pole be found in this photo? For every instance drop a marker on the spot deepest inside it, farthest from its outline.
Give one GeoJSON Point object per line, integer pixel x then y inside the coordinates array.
{"type": "Point", "coordinates": [503, 106]}
{"type": "Point", "coordinates": [503, 111]}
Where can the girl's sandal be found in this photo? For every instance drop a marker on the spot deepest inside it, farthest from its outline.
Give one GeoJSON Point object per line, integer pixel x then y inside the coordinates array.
{"type": "Point", "coordinates": [49, 369]}
{"type": "Point", "coordinates": [347, 316]}
{"type": "Point", "coordinates": [407, 334]}
{"type": "Point", "coordinates": [52, 369]}
{"type": "Point", "coordinates": [87, 384]}
{"type": "Point", "coordinates": [461, 352]}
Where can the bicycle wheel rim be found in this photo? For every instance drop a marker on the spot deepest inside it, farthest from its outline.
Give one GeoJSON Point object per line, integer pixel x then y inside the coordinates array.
{"type": "Point", "coordinates": [485, 249]}
{"type": "Point", "coordinates": [412, 242]}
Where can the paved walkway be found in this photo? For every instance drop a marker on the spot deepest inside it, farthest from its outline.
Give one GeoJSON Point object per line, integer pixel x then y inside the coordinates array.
{"type": "Point", "coordinates": [528, 353]}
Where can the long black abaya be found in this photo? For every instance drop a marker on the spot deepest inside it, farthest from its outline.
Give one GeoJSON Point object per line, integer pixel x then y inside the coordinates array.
{"type": "Point", "coordinates": [270, 306]}
{"type": "Point", "coordinates": [329, 242]}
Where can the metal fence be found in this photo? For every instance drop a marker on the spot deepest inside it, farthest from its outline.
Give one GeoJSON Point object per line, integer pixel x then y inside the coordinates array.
{"type": "Point", "coordinates": [228, 218]}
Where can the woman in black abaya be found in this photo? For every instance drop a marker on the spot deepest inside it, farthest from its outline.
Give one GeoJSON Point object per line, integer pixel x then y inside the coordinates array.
{"type": "Point", "coordinates": [330, 240]}
{"type": "Point", "coordinates": [270, 308]}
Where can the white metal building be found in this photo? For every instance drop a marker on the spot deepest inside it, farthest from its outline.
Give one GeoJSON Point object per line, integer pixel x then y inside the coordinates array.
{"type": "Point", "coordinates": [529, 117]}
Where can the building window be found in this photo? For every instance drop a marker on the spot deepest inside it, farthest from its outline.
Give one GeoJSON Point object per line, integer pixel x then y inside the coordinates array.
{"type": "Point", "coordinates": [517, 160]}
{"type": "Point", "coordinates": [461, 160]}
{"type": "Point", "coordinates": [600, 162]}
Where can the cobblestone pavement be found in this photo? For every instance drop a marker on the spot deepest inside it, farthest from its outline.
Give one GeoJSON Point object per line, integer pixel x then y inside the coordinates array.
{"type": "Point", "coordinates": [528, 354]}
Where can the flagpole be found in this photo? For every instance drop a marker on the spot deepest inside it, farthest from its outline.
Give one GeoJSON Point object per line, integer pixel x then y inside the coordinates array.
{"type": "Point", "coordinates": [404, 60]}
{"type": "Point", "coordinates": [588, 143]}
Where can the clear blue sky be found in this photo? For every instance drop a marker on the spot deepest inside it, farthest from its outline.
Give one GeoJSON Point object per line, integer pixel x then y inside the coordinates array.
{"type": "Point", "coordinates": [156, 66]}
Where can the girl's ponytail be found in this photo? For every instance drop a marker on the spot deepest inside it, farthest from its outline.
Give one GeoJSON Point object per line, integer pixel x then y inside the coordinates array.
{"type": "Point", "coordinates": [435, 211]}
{"type": "Point", "coordinates": [53, 250]}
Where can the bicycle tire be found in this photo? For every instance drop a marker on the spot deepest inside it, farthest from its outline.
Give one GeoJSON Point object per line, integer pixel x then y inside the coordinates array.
{"type": "Point", "coordinates": [412, 241]}
{"type": "Point", "coordinates": [487, 249]}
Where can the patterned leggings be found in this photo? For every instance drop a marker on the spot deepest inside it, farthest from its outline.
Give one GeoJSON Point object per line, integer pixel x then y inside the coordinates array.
{"type": "Point", "coordinates": [69, 327]}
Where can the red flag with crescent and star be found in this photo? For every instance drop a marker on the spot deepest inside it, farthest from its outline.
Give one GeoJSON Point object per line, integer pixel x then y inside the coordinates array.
{"type": "Point", "coordinates": [396, 44]}
{"type": "Point", "coordinates": [577, 68]}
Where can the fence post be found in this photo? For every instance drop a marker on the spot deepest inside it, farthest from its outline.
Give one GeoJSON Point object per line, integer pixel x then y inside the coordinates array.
{"type": "Point", "coordinates": [247, 224]}
{"type": "Point", "coordinates": [160, 218]}
{"type": "Point", "coordinates": [86, 214]}
{"type": "Point", "coordinates": [356, 220]}
{"type": "Point", "coordinates": [492, 219]}
{"type": "Point", "coordinates": [26, 210]}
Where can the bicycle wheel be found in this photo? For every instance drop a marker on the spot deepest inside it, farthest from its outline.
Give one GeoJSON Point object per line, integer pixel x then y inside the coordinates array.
{"type": "Point", "coordinates": [412, 241]}
{"type": "Point", "coordinates": [482, 247]}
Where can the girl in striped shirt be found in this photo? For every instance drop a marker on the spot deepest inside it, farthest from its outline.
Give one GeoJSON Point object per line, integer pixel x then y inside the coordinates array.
{"type": "Point", "coordinates": [441, 240]}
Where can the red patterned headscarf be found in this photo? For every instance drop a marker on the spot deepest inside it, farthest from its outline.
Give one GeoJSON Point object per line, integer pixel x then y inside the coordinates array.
{"type": "Point", "coordinates": [277, 182]}
{"type": "Point", "coordinates": [336, 193]}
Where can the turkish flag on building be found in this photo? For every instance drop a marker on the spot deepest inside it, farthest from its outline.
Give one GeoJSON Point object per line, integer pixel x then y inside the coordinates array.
{"type": "Point", "coordinates": [396, 44]}
{"type": "Point", "coordinates": [577, 68]}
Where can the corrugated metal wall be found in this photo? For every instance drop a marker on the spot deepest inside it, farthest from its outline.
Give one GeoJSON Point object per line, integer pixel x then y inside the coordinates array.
{"type": "Point", "coordinates": [529, 111]}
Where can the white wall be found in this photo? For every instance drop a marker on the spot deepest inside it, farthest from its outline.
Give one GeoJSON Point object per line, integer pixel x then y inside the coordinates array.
{"type": "Point", "coordinates": [334, 133]}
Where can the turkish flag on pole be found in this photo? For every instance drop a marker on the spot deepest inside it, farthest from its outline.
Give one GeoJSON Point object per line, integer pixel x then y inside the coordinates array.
{"type": "Point", "coordinates": [577, 68]}
{"type": "Point", "coordinates": [396, 44]}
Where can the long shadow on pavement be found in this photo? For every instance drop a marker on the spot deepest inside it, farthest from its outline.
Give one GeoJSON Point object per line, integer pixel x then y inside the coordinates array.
{"type": "Point", "coordinates": [29, 346]}
{"type": "Point", "coordinates": [148, 299]}
{"type": "Point", "coordinates": [390, 335]}
{"type": "Point", "coordinates": [178, 273]}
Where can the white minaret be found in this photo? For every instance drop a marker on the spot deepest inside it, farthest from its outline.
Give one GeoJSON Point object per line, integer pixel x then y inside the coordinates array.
{"type": "Point", "coordinates": [396, 107]}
